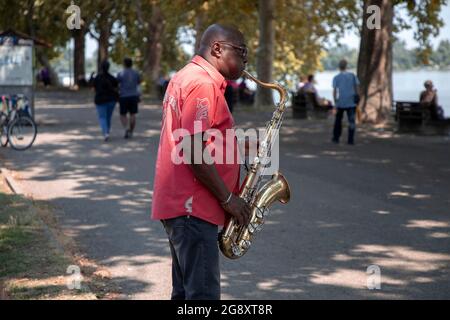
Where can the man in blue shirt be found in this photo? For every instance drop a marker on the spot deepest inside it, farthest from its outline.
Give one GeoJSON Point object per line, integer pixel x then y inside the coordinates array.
{"type": "Point", "coordinates": [346, 96]}
{"type": "Point", "coordinates": [129, 80]}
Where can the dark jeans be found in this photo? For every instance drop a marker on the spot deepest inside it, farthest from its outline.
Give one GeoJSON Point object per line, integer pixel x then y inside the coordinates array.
{"type": "Point", "coordinates": [195, 258]}
{"type": "Point", "coordinates": [105, 112]}
{"type": "Point", "coordinates": [351, 124]}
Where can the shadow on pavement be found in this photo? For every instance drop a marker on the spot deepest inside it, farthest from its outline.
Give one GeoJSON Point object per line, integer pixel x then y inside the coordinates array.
{"type": "Point", "coordinates": [383, 202]}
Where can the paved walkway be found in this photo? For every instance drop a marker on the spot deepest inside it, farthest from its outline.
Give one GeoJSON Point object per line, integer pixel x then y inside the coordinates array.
{"type": "Point", "coordinates": [383, 202]}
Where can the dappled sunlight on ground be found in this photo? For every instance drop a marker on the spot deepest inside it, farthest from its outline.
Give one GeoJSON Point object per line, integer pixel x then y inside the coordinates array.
{"type": "Point", "coordinates": [407, 194]}
{"type": "Point", "coordinates": [403, 258]}
{"type": "Point", "coordinates": [349, 278]}
{"type": "Point", "coordinates": [381, 202]}
{"type": "Point", "coordinates": [427, 224]}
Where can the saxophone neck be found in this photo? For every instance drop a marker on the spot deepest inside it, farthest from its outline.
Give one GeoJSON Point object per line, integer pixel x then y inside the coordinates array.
{"type": "Point", "coordinates": [275, 86]}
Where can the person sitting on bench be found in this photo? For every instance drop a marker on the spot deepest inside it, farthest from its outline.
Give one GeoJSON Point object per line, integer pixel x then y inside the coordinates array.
{"type": "Point", "coordinates": [311, 92]}
{"type": "Point", "coordinates": [429, 99]}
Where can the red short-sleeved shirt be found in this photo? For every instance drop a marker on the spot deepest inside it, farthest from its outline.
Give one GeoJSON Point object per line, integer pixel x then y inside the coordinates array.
{"type": "Point", "coordinates": [194, 102]}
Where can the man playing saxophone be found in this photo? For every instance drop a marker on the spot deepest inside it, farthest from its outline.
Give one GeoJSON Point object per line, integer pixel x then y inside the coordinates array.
{"type": "Point", "coordinates": [192, 200]}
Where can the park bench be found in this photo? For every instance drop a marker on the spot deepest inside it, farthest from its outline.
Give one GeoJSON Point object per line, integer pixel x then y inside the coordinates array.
{"type": "Point", "coordinates": [298, 106]}
{"type": "Point", "coordinates": [304, 103]}
{"type": "Point", "coordinates": [412, 116]}
{"type": "Point", "coordinates": [409, 114]}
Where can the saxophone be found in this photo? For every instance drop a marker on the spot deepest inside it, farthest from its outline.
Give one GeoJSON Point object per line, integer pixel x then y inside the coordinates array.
{"type": "Point", "coordinates": [235, 239]}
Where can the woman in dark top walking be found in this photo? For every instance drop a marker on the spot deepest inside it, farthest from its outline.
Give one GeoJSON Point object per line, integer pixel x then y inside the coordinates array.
{"type": "Point", "coordinates": [106, 96]}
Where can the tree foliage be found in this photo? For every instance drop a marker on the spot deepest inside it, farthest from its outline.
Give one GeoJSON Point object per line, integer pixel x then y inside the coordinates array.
{"type": "Point", "coordinates": [425, 15]}
{"type": "Point", "coordinates": [138, 28]}
{"type": "Point", "coordinates": [441, 57]}
{"type": "Point", "coordinates": [37, 18]}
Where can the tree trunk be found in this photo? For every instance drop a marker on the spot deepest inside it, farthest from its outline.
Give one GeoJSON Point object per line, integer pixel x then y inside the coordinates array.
{"type": "Point", "coordinates": [103, 41]}
{"type": "Point", "coordinates": [265, 54]}
{"type": "Point", "coordinates": [41, 55]}
{"type": "Point", "coordinates": [153, 48]}
{"type": "Point", "coordinates": [79, 59]}
{"type": "Point", "coordinates": [199, 27]}
{"type": "Point", "coordinates": [375, 64]}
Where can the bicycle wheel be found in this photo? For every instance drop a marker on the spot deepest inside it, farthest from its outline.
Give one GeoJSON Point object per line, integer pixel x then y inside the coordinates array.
{"type": "Point", "coordinates": [22, 133]}
{"type": "Point", "coordinates": [3, 135]}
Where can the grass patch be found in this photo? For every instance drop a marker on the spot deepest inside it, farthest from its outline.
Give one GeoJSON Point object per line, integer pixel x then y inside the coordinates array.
{"type": "Point", "coordinates": [32, 264]}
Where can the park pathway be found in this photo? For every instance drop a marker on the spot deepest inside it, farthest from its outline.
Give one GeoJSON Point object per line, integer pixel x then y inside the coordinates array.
{"type": "Point", "coordinates": [384, 202]}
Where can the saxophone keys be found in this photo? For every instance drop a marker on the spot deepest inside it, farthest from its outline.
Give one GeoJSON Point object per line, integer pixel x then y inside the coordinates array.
{"type": "Point", "coordinates": [259, 213]}
{"type": "Point", "coordinates": [246, 244]}
{"type": "Point", "coordinates": [236, 250]}
{"type": "Point", "coordinates": [255, 227]}
{"type": "Point", "coordinates": [259, 226]}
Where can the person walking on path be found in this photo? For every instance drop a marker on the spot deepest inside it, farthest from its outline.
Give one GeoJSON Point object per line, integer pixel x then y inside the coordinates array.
{"type": "Point", "coordinates": [192, 198]}
{"type": "Point", "coordinates": [106, 95]}
{"type": "Point", "coordinates": [346, 98]}
{"type": "Point", "coordinates": [129, 80]}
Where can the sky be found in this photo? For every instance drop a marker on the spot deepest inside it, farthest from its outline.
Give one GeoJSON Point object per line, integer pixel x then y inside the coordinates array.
{"type": "Point", "coordinates": [350, 39]}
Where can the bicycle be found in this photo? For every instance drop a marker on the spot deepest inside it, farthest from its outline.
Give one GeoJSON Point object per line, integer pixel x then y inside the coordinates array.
{"type": "Point", "coordinates": [16, 125]}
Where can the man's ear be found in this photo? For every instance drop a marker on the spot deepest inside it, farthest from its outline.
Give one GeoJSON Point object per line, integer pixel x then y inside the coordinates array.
{"type": "Point", "coordinates": [216, 50]}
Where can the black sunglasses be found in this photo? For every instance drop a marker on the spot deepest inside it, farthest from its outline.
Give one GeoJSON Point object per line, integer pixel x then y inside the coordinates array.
{"type": "Point", "coordinates": [242, 50]}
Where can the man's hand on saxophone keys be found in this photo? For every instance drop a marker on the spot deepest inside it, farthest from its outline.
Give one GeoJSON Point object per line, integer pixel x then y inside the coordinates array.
{"type": "Point", "coordinates": [238, 208]}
